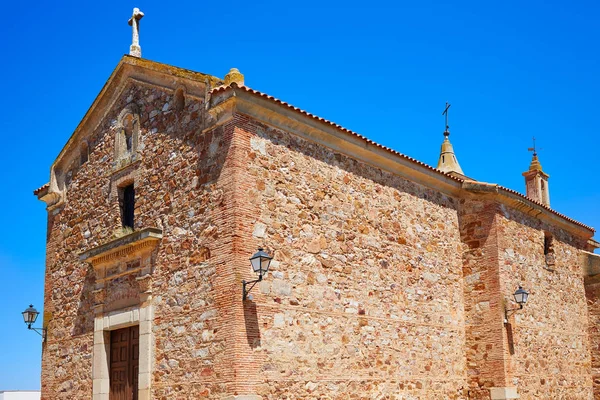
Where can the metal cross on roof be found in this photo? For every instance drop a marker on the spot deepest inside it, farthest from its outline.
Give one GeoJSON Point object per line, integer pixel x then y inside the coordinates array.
{"type": "Point", "coordinates": [446, 132]}
{"type": "Point", "coordinates": [534, 148]}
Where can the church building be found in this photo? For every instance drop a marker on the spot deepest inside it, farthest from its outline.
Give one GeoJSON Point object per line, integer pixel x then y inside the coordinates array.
{"type": "Point", "coordinates": [389, 279]}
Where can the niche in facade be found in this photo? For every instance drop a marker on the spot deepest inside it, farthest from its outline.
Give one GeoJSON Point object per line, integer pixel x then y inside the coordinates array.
{"type": "Point", "coordinates": [127, 137]}
{"type": "Point", "coordinates": [549, 249]}
{"type": "Point", "coordinates": [179, 99]}
{"type": "Point", "coordinates": [84, 152]}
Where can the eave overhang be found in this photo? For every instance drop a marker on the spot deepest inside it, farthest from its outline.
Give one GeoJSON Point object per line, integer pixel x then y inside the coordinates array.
{"type": "Point", "coordinates": [273, 112]}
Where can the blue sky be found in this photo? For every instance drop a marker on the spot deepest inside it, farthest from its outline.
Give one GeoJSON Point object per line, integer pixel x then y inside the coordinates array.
{"type": "Point", "coordinates": [511, 70]}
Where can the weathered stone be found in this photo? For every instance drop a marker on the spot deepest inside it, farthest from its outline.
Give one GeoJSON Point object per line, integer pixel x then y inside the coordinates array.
{"type": "Point", "coordinates": [383, 284]}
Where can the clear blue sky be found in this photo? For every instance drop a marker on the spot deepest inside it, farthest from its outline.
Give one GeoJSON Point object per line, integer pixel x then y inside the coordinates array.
{"type": "Point", "coordinates": [511, 70]}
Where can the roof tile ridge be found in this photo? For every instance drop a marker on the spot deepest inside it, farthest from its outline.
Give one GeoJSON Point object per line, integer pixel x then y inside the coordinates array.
{"type": "Point", "coordinates": [233, 85]}
{"type": "Point", "coordinates": [38, 190]}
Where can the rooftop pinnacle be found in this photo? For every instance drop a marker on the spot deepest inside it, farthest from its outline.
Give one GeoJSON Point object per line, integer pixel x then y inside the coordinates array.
{"type": "Point", "coordinates": [447, 161]}
{"type": "Point", "coordinates": [536, 180]}
{"type": "Point", "coordinates": [135, 49]}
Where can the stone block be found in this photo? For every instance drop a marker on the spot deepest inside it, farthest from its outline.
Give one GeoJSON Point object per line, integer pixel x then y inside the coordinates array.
{"type": "Point", "coordinates": [503, 393]}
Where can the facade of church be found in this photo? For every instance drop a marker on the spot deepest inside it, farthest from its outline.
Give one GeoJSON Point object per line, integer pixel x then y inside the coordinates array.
{"type": "Point", "coordinates": [390, 279]}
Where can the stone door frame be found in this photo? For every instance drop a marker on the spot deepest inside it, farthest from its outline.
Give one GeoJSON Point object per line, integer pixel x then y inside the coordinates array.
{"type": "Point", "coordinates": [103, 324]}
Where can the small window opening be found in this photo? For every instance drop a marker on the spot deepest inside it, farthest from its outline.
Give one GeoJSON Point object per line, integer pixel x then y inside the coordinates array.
{"type": "Point", "coordinates": [127, 205]}
{"type": "Point", "coordinates": [443, 158]}
{"type": "Point", "coordinates": [547, 243]}
{"type": "Point", "coordinates": [179, 100]}
{"type": "Point", "coordinates": [549, 248]}
{"type": "Point", "coordinates": [83, 153]}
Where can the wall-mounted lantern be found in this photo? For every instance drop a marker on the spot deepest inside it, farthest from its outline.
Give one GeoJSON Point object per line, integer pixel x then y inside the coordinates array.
{"type": "Point", "coordinates": [260, 262]}
{"type": "Point", "coordinates": [30, 316]}
{"type": "Point", "coordinates": [520, 296]}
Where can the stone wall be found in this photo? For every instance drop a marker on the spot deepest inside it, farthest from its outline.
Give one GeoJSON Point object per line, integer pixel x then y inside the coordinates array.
{"type": "Point", "coordinates": [183, 186]}
{"type": "Point", "coordinates": [592, 290]}
{"type": "Point", "coordinates": [380, 287]}
{"type": "Point", "coordinates": [549, 353]}
{"type": "Point", "coordinates": [365, 297]}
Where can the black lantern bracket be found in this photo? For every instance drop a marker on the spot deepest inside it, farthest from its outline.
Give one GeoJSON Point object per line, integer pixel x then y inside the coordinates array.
{"type": "Point", "coordinates": [521, 296]}
{"type": "Point", "coordinates": [253, 283]}
{"type": "Point", "coordinates": [39, 331]}
{"type": "Point", "coordinates": [260, 263]}
{"type": "Point", "coordinates": [30, 316]}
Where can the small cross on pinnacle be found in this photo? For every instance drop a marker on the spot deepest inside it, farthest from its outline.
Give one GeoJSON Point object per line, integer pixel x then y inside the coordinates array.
{"type": "Point", "coordinates": [534, 148]}
{"type": "Point", "coordinates": [135, 49]}
{"type": "Point", "coordinates": [447, 131]}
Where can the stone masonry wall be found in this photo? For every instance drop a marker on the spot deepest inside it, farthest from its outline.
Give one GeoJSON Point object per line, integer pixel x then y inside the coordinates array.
{"type": "Point", "coordinates": [365, 297]}
{"type": "Point", "coordinates": [183, 186]}
{"type": "Point", "coordinates": [593, 299]}
{"type": "Point", "coordinates": [549, 352]}
{"type": "Point", "coordinates": [380, 288]}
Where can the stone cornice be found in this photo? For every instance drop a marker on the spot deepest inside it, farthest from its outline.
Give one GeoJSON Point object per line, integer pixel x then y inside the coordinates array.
{"type": "Point", "coordinates": [308, 128]}
{"type": "Point", "coordinates": [225, 103]}
{"type": "Point", "coordinates": [128, 246]}
{"type": "Point", "coordinates": [524, 205]}
{"type": "Point", "coordinates": [47, 196]}
{"type": "Point", "coordinates": [591, 264]}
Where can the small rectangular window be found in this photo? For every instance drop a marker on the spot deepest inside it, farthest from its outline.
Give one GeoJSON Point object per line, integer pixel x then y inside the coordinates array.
{"type": "Point", "coordinates": [127, 204]}
{"type": "Point", "coordinates": [547, 243]}
{"type": "Point", "coordinates": [549, 249]}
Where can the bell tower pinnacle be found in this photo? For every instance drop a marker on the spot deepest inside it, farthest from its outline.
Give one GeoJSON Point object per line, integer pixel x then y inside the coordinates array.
{"type": "Point", "coordinates": [447, 161]}
{"type": "Point", "coordinates": [536, 180]}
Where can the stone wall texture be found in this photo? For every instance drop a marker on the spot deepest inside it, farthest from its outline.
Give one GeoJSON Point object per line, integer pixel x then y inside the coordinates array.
{"type": "Point", "coordinates": [380, 288]}
{"type": "Point", "coordinates": [366, 292]}
{"type": "Point", "coordinates": [183, 186]}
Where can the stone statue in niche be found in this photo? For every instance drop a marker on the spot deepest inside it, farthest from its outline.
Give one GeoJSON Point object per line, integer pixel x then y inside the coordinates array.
{"type": "Point", "coordinates": [127, 137]}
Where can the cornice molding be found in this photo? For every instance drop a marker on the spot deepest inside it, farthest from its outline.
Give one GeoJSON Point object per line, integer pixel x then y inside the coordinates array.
{"type": "Point", "coordinates": [126, 247]}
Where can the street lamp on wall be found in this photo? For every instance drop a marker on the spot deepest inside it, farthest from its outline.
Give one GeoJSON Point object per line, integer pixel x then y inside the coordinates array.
{"type": "Point", "coordinates": [260, 262]}
{"type": "Point", "coordinates": [521, 295]}
{"type": "Point", "coordinates": [30, 316]}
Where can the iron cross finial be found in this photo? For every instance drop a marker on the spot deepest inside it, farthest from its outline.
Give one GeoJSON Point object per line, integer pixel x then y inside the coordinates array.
{"type": "Point", "coordinates": [534, 148]}
{"type": "Point", "coordinates": [446, 131]}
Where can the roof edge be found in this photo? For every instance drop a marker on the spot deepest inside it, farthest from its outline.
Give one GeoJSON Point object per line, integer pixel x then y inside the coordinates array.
{"type": "Point", "coordinates": [117, 73]}
{"type": "Point", "coordinates": [367, 142]}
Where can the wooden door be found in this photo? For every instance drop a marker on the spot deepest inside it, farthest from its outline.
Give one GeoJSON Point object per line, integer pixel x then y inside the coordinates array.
{"type": "Point", "coordinates": [124, 361]}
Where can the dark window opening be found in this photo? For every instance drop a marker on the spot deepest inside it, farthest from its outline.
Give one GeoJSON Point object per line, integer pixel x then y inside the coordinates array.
{"type": "Point", "coordinates": [549, 249]}
{"type": "Point", "coordinates": [127, 200]}
{"type": "Point", "coordinates": [83, 154]}
{"type": "Point", "coordinates": [547, 243]}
